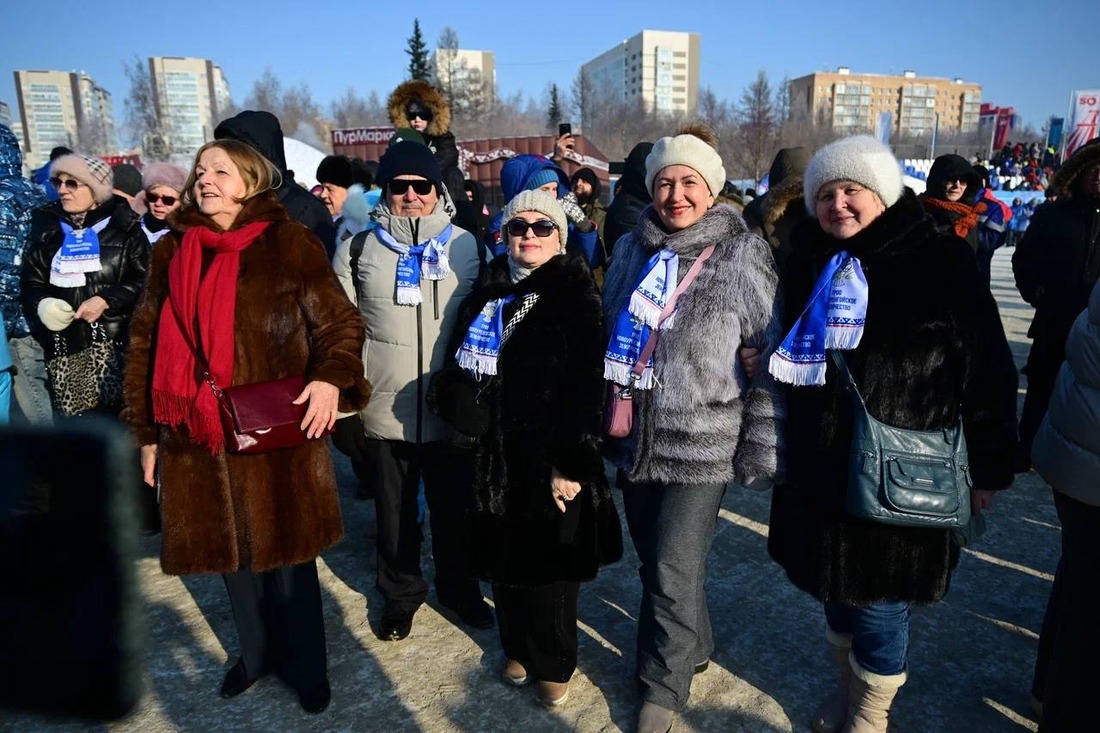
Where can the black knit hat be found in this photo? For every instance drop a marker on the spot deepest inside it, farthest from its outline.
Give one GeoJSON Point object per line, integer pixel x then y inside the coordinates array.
{"type": "Point", "coordinates": [591, 178]}
{"type": "Point", "coordinates": [409, 159]}
{"type": "Point", "coordinates": [336, 169]}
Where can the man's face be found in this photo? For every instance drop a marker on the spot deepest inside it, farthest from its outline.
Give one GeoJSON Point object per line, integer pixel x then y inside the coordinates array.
{"type": "Point", "coordinates": [954, 190]}
{"type": "Point", "coordinates": [404, 198]}
{"type": "Point", "coordinates": [582, 188]}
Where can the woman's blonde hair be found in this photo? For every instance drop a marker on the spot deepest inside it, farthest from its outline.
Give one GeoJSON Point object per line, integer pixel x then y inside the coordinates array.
{"type": "Point", "coordinates": [257, 171]}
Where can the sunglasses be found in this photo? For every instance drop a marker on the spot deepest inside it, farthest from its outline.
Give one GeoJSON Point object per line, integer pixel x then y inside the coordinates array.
{"type": "Point", "coordinates": [70, 183]}
{"type": "Point", "coordinates": [419, 114]}
{"type": "Point", "coordinates": [400, 187]}
{"type": "Point", "coordinates": [541, 228]}
{"type": "Point", "coordinates": [166, 200]}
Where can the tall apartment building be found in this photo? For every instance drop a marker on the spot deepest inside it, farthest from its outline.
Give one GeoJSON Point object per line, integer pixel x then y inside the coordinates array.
{"type": "Point", "coordinates": [191, 95]}
{"type": "Point", "coordinates": [659, 67]}
{"type": "Point", "coordinates": [474, 72]}
{"type": "Point", "coordinates": [63, 108]}
{"type": "Point", "coordinates": [852, 102]}
{"type": "Point", "coordinates": [5, 114]}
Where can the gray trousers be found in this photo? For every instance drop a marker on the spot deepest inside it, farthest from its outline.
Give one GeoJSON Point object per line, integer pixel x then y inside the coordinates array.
{"type": "Point", "coordinates": [672, 526]}
{"type": "Point", "coordinates": [32, 397]}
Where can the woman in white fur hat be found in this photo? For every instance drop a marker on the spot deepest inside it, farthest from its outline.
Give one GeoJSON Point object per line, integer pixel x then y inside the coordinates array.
{"type": "Point", "coordinates": [871, 278]}
{"type": "Point", "coordinates": [698, 420]}
{"type": "Point", "coordinates": [82, 274]}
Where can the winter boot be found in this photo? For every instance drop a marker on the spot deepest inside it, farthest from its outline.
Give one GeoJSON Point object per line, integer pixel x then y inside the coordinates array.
{"type": "Point", "coordinates": [833, 711]}
{"type": "Point", "coordinates": [869, 698]}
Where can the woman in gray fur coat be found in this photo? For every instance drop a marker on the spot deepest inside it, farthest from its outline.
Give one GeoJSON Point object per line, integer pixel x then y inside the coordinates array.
{"type": "Point", "coordinates": [698, 420]}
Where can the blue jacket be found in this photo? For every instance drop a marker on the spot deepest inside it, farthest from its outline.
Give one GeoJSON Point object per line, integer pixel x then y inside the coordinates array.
{"type": "Point", "coordinates": [18, 198]}
{"type": "Point", "coordinates": [514, 176]}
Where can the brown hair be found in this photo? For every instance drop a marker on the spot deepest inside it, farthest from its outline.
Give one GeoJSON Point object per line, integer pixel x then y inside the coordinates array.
{"type": "Point", "coordinates": [257, 171]}
{"type": "Point", "coordinates": [702, 131]}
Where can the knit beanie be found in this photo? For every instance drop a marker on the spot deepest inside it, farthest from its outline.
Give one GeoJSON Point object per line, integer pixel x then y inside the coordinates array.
{"type": "Point", "coordinates": [406, 134]}
{"type": "Point", "coordinates": [163, 174]}
{"type": "Point", "coordinates": [542, 202]}
{"type": "Point", "coordinates": [336, 169]}
{"type": "Point", "coordinates": [127, 178]}
{"type": "Point", "coordinates": [588, 175]}
{"type": "Point", "coordinates": [686, 150]}
{"type": "Point", "coordinates": [859, 158]}
{"type": "Point", "coordinates": [92, 172]}
{"type": "Point", "coordinates": [410, 159]}
{"type": "Point", "coordinates": [541, 178]}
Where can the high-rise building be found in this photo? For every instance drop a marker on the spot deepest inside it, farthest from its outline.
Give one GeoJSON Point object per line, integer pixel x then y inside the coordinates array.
{"type": "Point", "coordinates": [850, 102]}
{"type": "Point", "coordinates": [63, 108]}
{"type": "Point", "coordinates": [5, 114]}
{"type": "Point", "coordinates": [469, 73]}
{"type": "Point", "coordinates": [661, 68]}
{"type": "Point", "coordinates": [191, 97]}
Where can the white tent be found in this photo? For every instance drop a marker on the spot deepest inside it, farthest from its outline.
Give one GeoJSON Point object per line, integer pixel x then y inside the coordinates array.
{"type": "Point", "coordinates": [303, 159]}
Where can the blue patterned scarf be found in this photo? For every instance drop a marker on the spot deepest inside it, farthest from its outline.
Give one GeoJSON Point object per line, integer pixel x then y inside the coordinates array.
{"type": "Point", "coordinates": [428, 260]}
{"type": "Point", "coordinates": [79, 254]}
{"type": "Point", "coordinates": [481, 347]}
{"type": "Point", "coordinates": [637, 319]}
{"type": "Point", "coordinates": [833, 319]}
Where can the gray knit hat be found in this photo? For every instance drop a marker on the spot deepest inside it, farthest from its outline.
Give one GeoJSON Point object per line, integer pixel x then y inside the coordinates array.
{"type": "Point", "coordinates": [860, 158]}
{"type": "Point", "coordinates": [92, 172]}
{"type": "Point", "coordinates": [539, 201]}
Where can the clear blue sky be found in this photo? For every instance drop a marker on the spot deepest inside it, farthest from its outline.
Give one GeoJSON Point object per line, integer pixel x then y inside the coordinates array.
{"type": "Point", "coordinates": [1029, 55]}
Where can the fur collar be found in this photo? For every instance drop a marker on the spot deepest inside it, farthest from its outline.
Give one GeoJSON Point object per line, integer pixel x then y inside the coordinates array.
{"type": "Point", "coordinates": [1065, 180]}
{"type": "Point", "coordinates": [265, 207]}
{"type": "Point", "coordinates": [554, 273]}
{"type": "Point", "coordinates": [777, 199]}
{"type": "Point", "coordinates": [721, 223]}
{"type": "Point", "coordinates": [429, 96]}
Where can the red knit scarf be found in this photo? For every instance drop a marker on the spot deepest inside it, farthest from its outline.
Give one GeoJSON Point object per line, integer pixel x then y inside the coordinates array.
{"type": "Point", "coordinates": [199, 306]}
{"type": "Point", "coordinates": [968, 215]}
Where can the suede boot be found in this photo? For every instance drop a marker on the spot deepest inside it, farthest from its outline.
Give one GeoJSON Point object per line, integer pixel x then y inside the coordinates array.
{"type": "Point", "coordinates": [870, 696]}
{"type": "Point", "coordinates": [833, 711]}
{"type": "Point", "coordinates": [652, 718]}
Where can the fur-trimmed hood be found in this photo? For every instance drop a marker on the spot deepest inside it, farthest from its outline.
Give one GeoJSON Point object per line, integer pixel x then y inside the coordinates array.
{"type": "Point", "coordinates": [1065, 180]}
{"type": "Point", "coordinates": [777, 199]}
{"type": "Point", "coordinates": [431, 97]}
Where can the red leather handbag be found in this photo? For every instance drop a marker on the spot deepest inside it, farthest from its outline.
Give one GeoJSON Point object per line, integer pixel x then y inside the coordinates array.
{"type": "Point", "coordinates": [261, 417]}
{"type": "Point", "coordinates": [619, 412]}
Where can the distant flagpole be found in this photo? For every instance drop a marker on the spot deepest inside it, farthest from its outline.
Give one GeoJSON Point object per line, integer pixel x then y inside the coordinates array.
{"type": "Point", "coordinates": [935, 134]}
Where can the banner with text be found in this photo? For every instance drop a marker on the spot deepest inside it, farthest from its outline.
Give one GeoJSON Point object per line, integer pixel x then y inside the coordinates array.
{"type": "Point", "coordinates": [1084, 120]}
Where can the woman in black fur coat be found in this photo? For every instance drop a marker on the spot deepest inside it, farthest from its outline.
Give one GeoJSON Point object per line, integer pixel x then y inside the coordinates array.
{"type": "Point", "coordinates": [932, 345]}
{"type": "Point", "coordinates": [531, 332]}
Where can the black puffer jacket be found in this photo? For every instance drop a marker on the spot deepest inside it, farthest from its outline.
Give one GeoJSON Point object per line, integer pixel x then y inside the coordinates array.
{"type": "Point", "coordinates": [545, 408]}
{"type": "Point", "coordinates": [262, 131]}
{"type": "Point", "coordinates": [631, 199]}
{"type": "Point", "coordinates": [124, 254]}
{"type": "Point", "coordinates": [933, 342]}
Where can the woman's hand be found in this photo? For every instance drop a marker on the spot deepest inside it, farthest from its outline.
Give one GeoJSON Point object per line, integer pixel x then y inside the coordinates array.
{"type": "Point", "coordinates": [562, 489]}
{"type": "Point", "coordinates": [149, 463]}
{"type": "Point", "coordinates": [980, 499]}
{"type": "Point", "coordinates": [321, 413]}
{"type": "Point", "coordinates": [91, 309]}
{"type": "Point", "coordinates": [750, 360]}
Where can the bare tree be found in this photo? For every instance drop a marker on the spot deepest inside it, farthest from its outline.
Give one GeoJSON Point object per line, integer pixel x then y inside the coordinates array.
{"type": "Point", "coordinates": [757, 128]}
{"type": "Point", "coordinates": [144, 125]}
{"type": "Point", "coordinates": [266, 94]}
{"type": "Point", "coordinates": [446, 72]}
{"type": "Point", "coordinates": [584, 99]}
{"type": "Point", "coordinates": [351, 110]}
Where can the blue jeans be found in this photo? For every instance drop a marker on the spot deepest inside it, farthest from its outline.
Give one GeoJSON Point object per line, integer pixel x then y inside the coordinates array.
{"type": "Point", "coordinates": [32, 396]}
{"type": "Point", "coordinates": [880, 633]}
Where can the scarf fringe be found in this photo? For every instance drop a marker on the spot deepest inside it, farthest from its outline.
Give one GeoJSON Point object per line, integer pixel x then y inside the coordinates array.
{"type": "Point", "coordinates": [477, 364]}
{"type": "Point", "coordinates": [621, 374]}
{"type": "Point", "coordinates": [169, 408]}
{"type": "Point", "coordinates": [644, 309]}
{"type": "Point", "coordinates": [806, 374]}
{"type": "Point", "coordinates": [843, 338]}
{"type": "Point", "coordinates": [409, 295]}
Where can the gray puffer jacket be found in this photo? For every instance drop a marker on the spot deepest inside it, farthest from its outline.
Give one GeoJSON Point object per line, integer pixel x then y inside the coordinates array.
{"type": "Point", "coordinates": [705, 422]}
{"type": "Point", "coordinates": [1066, 451]}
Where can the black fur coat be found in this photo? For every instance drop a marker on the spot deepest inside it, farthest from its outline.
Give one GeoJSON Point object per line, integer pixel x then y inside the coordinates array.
{"type": "Point", "coordinates": [545, 409]}
{"type": "Point", "coordinates": [933, 343]}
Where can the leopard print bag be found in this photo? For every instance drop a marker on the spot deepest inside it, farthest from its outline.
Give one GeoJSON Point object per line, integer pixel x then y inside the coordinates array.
{"type": "Point", "coordinates": [90, 379]}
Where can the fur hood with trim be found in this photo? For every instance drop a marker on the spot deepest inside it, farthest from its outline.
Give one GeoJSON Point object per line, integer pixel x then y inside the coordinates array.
{"type": "Point", "coordinates": [1085, 157]}
{"type": "Point", "coordinates": [427, 94]}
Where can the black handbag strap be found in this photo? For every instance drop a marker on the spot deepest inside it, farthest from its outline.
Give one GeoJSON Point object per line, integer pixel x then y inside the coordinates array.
{"type": "Point", "coordinates": [845, 374]}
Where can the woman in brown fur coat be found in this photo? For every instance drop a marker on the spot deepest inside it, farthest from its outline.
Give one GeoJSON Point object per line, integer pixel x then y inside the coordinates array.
{"type": "Point", "coordinates": [240, 292]}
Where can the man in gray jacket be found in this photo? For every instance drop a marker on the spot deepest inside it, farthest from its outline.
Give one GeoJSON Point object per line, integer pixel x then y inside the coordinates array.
{"type": "Point", "coordinates": [409, 275]}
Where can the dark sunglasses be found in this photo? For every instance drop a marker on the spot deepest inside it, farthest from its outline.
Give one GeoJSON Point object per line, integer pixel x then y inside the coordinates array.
{"type": "Point", "coordinates": [421, 114]}
{"type": "Point", "coordinates": [400, 187]}
{"type": "Point", "coordinates": [541, 228]}
{"type": "Point", "coordinates": [70, 183]}
{"type": "Point", "coordinates": [166, 200]}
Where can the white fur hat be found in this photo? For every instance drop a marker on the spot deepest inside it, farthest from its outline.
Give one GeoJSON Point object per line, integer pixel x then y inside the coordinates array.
{"type": "Point", "coordinates": [686, 150]}
{"type": "Point", "coordinates": [92, 172]}
{"type": "Point", "coordinates": [860, 158]}
{"type": "Point", "coordinates": [540, 201]}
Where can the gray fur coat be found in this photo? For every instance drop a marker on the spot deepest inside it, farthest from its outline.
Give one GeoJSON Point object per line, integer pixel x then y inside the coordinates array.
{"type": "Point", "coordinates": [706, 422]}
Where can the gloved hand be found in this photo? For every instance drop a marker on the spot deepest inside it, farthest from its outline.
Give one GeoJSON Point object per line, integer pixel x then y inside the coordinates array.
{"type": "Point", "coordinates": [55, 313]}
{"type": "Point", "coordinates": [572, 208]}
{"type": "Point", "coordinates": [349, 438]}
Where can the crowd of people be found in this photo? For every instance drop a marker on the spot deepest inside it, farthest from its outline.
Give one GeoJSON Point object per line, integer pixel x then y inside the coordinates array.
{"type": "Point", "coordinates": [837, 342]}
{"type": "Point", "coordinates": [1022, 167]}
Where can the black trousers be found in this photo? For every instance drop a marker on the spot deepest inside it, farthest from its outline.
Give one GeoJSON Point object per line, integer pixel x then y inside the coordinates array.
{"type": "Point", "coordinates": [448, 476]}
{"type": "Point", "coordinates": [538, 627]}
{"type": "Point", "coordinates": [1069, 642]}
{"type": "Point", "coordinates": [280, 623]}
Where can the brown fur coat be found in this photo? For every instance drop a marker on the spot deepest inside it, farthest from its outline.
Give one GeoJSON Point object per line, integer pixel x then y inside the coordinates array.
{"type": "Point", "coordinates": [225, 512]}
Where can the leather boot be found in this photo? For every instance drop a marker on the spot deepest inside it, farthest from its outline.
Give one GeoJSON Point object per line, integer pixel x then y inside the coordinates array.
{"type": "Point", "coordinates": [870, 696]}
{"type": "Point", "coordinates": [833, 710]}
